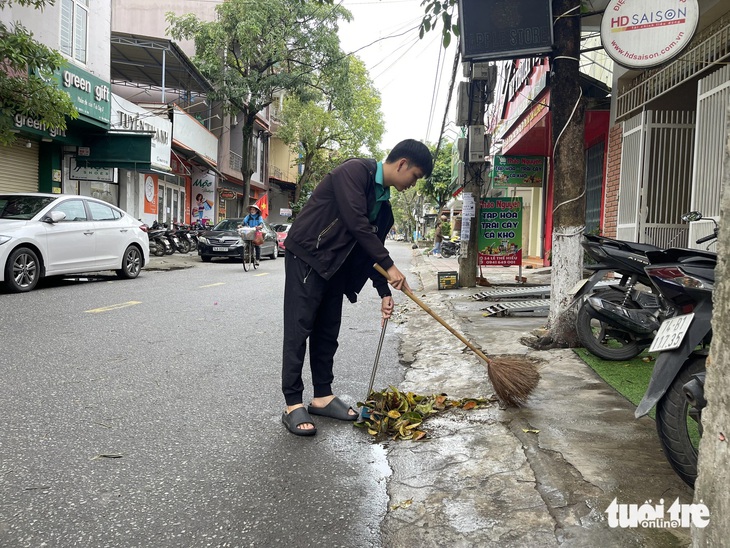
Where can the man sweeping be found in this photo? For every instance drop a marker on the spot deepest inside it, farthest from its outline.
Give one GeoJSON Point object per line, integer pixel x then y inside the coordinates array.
{"type": "Point", "coordinates": [330, 250]}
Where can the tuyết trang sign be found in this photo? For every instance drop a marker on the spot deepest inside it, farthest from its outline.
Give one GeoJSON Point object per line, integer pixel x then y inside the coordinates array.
{"type": "Point", "coordinates": [131, 117]}
{"type": "Point", "coordinates": [646, 33]}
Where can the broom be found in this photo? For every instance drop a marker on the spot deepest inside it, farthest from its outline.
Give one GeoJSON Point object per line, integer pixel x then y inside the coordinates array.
{"type": "Point", "coordinates": [513, 379]}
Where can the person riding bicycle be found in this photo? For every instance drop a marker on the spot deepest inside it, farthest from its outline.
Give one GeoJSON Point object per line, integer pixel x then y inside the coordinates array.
{"type": "Point", "coordinates": [253, 220]}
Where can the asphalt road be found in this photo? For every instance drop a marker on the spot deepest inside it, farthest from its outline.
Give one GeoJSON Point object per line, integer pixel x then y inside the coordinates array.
{"type": "Point", "coordinates": [147, 413]}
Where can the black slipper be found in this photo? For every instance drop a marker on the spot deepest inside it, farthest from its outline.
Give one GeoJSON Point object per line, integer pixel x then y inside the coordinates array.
{"type": "Point", "coordinates": [336, 409]}
{"type": "Point", "coordinates": [295, 418]}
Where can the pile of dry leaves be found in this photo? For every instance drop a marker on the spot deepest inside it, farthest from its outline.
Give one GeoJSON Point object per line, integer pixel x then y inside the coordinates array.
{"type": "Point", "coordinates": [400, 415]}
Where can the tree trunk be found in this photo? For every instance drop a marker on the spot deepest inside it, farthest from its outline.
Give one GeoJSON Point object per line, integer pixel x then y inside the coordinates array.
{"type": "Point", "coordinates": [714, 462]}
{"type": "Point", "coordinates": [567, 108]}
{"type": "Point", "coordinates": [247, 156]}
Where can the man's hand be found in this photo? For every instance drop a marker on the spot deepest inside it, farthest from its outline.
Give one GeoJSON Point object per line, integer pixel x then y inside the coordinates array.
{"type": "Point", "coordinates": [397, 279]}
{"type": "Point", "coordinates": [386, 309]}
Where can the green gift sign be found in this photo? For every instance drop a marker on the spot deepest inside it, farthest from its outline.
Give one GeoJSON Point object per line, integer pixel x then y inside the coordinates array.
{"type": "Point", "coordinates": [526, 171]}
{"type": "Point", "coordinates": [500, 231]}
{"type": "Point", "coordinates": [90, 95]}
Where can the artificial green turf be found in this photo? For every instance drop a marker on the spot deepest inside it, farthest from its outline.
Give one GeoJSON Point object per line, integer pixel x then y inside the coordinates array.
{"type": "Point", "coordinates": [629, 378]}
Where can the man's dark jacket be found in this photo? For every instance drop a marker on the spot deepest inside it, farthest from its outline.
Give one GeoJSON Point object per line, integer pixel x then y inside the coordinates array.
{"type": "Point", "coordinates": [333, 232]}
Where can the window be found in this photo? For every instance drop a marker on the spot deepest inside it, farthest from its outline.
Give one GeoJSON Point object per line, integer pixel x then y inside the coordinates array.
{"type": "Point", "coordinates": [101, 212]}
{"type": "Point", "coordinates": [74, 210]}
{"type": "Point", "coordinates": [74, 28]}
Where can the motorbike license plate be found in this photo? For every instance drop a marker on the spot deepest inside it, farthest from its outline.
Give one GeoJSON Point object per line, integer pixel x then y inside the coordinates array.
{"type": "Point", "coordinates": [671, 333]}
{"type": "Point", "coordinates": [220, 249]}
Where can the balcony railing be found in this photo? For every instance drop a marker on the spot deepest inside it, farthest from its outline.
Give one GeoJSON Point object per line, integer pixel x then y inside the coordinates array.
{"type": "Point", "coordinates": [236, 161]}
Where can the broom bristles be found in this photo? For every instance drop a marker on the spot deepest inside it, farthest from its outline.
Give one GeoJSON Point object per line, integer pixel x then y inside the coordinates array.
{"type": "Point", "coordinates": [513, 379]}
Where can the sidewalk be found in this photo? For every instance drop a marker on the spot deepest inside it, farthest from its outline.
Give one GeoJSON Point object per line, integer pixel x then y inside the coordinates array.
{"type": "Point", "coordinates": [542, 475]}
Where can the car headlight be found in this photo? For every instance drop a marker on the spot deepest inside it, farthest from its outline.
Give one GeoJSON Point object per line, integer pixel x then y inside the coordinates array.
{"type": "Point", "coordinates": [203, 240]}
{"type": "Point", "coordinates": [4, 239]}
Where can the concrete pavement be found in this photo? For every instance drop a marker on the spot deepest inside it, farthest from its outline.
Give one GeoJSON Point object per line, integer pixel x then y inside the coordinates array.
{"type": "Point", "coordinates": [542, 475]}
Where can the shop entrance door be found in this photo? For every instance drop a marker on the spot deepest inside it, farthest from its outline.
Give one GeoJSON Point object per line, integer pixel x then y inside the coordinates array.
{"type": "Point", "coordinates": [171, 203]}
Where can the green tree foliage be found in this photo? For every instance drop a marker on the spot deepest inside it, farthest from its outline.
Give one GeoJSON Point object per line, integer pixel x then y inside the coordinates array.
{"type": "Point", "coordinates": [254, 50]}
{"type": "Point", "coordinates": [440, 11]}
{"type": "Point", "coordinates": [26, 88]}
{"type": "Point", "coordinates": [337, 118]}
{"type": "Point", "coordinates": [439, 188]}
{"type": "Point", "coordinates": [405, 210]}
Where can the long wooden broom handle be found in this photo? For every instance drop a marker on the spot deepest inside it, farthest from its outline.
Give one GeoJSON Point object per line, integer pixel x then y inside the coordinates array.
{"type": "Point", "coordinates": [435, 316]}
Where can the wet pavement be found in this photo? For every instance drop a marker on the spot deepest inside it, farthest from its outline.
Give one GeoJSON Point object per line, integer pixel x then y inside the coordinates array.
{"type": "Point", "coordinates": [542, 475]}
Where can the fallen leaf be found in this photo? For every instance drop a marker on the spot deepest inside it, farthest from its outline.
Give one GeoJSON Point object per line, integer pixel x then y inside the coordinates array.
{"type": "Point", "coordinates": [530, 431]}
{"type": "Point", "coordinates": [404, 504]}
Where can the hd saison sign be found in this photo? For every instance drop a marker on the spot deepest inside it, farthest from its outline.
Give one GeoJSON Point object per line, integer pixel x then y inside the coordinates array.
{"type": "Point", "coordinates": [505, 29]}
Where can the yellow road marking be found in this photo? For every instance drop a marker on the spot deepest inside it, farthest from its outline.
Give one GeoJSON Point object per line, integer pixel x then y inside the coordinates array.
{"type": "Point", "coordinates": [213, 285]}
{"type": "Point", "coordinates": [262, 274]}
{"type": "Point", "coordinates": [113, 307]}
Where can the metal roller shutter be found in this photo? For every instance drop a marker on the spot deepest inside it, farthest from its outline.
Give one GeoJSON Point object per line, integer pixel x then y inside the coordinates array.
{"type": "Point", "coordinates": [19, 167]}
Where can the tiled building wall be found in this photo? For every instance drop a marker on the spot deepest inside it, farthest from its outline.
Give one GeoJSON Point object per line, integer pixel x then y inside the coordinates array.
{"type": "Point", "coordinates": [613, 181]}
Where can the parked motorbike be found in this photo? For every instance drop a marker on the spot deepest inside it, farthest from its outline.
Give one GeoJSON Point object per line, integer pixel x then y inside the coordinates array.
{"type": "Point", "coordinates": [159, 244]}
{"type": "Point", "coordinates": [174, 239]}
{"type": "Point", "coordinates": [450, 248]}
{"type": "Point", "coordinates": [181, 232]}
{"type": "Point", "coordinates": [617, 322]}
{"type": "Point", "coordinates": [685, 278]}
{"type": "Point", "coordinates": [189, 235]}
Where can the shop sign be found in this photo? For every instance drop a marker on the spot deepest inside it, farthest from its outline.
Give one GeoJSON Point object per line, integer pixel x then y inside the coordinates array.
{"type": "Point", "coordinates": [37, 127]}
{"type": "Point", "coordinates": [523, 171]}
{"type": "Point", "coordinates": [500, 232]}
{"type": "Point", "coordinates": [505, 29]}
{"type": "Point", "coordinates": [90, 95]}
{"type": "Point", "coordinates": [150, 194]}
{"type": "Point", "coordinates": [227, 194]}
{"type": "Point", "coordinates": [203, 197]}
{"type": "Point", "coordinates": [83, 173]}
{"type": "Point", "coordinates": [530, 79]}
{"type": "Point", "coordinates": [130, 117]}
{"type": "Point", "coordinates": [646, 33]}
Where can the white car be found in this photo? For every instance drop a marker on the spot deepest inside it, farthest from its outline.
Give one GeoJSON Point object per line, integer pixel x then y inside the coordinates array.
{"type": "Point", "coordinates": [62, 234]}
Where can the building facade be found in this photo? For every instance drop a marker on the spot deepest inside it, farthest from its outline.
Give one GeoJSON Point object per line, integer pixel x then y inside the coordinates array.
{"type": "Point", "coordinates": [667, 134]}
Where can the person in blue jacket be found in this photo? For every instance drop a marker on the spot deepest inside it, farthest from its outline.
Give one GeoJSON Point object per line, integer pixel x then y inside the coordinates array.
{"type": "Point", "coordinates": [254, 219]}
{"type": "Point", "coordinates": [330, 250]}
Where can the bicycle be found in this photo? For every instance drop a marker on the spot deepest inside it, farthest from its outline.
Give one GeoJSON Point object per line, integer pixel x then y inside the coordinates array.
{"type": "Point", "coordinates": [248, 235]}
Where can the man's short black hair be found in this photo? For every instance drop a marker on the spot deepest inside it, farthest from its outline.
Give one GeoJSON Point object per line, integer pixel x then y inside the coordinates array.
{"type": "Point", "coordinates": [415, 152]}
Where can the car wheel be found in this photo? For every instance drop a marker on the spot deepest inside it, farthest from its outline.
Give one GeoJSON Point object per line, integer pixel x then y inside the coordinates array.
{"type": "Point", "coordinates": [206, 258]}
{"type": "Point", "coordinates": [22, 270]}
{"type": "Point", "coordinates": [131, 263]}
{"type": "Point", "coordinates": [274, 253]}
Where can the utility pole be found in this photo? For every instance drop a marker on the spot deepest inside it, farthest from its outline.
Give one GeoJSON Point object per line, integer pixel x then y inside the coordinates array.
{"type": "Point", "coordinates": [475, 170]}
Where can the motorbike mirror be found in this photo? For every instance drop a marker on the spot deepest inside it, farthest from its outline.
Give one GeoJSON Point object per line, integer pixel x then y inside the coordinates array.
{"type": "Point", "coordinates": [692, 216]}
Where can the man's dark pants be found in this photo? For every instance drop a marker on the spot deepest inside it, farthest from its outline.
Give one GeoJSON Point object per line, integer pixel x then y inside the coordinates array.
{"type": "Point", "coordinates": [312, 311]}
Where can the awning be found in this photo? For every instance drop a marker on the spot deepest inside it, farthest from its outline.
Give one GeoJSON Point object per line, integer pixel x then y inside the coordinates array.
{"type": "Point", "coordinates": [126, 151]}
{"type": "Point", "coordinates": [193, 156]}
{"type": "Point", "coordinates": [154, 63]}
